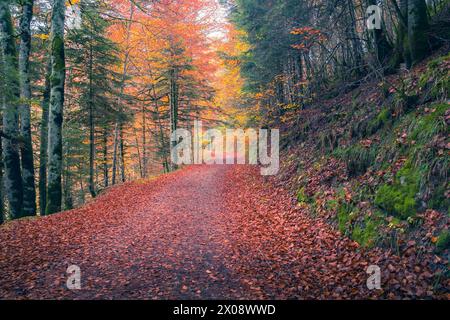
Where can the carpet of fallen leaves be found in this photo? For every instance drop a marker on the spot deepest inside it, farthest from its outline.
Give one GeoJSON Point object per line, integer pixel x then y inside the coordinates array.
{"type": "Point", "coordinates": [203, 232]}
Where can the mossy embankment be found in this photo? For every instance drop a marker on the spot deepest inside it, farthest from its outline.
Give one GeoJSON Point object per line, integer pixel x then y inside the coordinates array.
{"type": "Point", "coordinates": [374, 162]}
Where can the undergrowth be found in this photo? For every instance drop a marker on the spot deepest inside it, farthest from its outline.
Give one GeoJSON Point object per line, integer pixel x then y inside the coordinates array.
{"type": "Point", "coordinates": [396, 159]}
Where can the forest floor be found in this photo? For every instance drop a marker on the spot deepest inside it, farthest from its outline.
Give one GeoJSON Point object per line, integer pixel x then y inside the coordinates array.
{"type": "Point", "coordinates": [203, 232]}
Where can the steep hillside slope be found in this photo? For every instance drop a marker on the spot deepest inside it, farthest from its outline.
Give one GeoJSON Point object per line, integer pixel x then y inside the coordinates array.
{"type": "Point", "coordinates": [374, 162]}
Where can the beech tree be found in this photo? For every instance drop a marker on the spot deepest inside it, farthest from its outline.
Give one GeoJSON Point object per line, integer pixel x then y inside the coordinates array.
{"type": "Point", "coordinates": [29, 190]}
{"type": "Point", "coordinates": [11, 95]}
{"type": "Point", "coordinates": [57, 78]}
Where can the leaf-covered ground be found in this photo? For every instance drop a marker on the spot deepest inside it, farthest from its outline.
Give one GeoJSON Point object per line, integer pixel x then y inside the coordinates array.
{"type": "Point", "coordinates": [204, 232]}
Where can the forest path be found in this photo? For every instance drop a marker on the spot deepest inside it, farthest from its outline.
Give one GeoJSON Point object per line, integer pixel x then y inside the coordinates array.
{"type": "Point", "coordinates": [164, 238]}
{"type": "Point", "coordinates": [203, 232]}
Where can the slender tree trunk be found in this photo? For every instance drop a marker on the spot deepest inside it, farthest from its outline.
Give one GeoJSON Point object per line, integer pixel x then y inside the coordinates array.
{"type": "Point", "coordinates": [105, 157]}
{"type": "Point", "coordinates": [54, 188]}
{"type": "Point", "coordinates": [122, 154]}
{"type": "Point", "coordinates": [44, 144]}
{"type": "Point", "coordinates": [114, 160]}
{"type": "Point", "coordinates": [356, 43]}
{"type": "Point", "coordinates": [402, 53]}
{"type": "Point", "coordinates": [29, 189]}
{"type": "Point", "coordinates": [173, 107]}
{"type": "Point", "coordinates": [91, 128]}
{"type": "Point", "coordinates": [161, 132]}
{"type": "Point", "coordinates": [417, 30]}
{"type": "Point", "coordinates": [144, 143]}
{"type": "Point", "coordinates": [68, 198]}
{"type": "Point", "coordinates": [11, 94]}
{"type": "Point", "coordinates": [141, 173]}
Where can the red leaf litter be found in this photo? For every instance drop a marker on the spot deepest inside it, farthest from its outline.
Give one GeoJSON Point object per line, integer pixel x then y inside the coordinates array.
{"type": "Point", "coordinates": [203, 232]}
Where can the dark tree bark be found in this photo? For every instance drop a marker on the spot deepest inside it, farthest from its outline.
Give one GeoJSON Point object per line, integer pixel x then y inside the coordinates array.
{"type": "Point", "coordinates": [105, 157]}
{"type": "Point", "coordinates": [11, 95]}
{"type": "Point", "coordinates": [54, 188]}
{"type": "Point", "coordinates": [26, 150]}
{"type": "Point", "coordinates": [44, 144]}
{"type": "Point", "coordinates": [417, 30]}
{"type": "Point", "coordinates": [173, 75]}
{"type": "Point", "coordinates": [91, 129]}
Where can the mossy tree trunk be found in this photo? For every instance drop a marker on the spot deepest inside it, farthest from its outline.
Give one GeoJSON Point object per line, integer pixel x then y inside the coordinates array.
{"type": "Point", "coordinates": [44, 144]}
{"type": "Point", "coordinates": [11, 94]}
{"type": "Point", "coordinates": [57, 78]}
{"type": "Point", "coordinates": [26, 150]}
{"type": "Point", "coordinates": [417, 30]}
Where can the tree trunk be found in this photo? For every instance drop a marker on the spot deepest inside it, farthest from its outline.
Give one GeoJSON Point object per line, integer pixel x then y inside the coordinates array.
{"type": "Point", "coordinates": [402, 53]}
{"type": "Point", "coordinates": [114, 160]}
{"type": "Point", "coordinates": [417, 30]}
{"type": "Point", "coordinates": [11, 94]}
{"type": "Point", "coordinates": [54, 188]}
{"type": "Point", "coordinates": [173, 107]}
{"type": "Point", "coordinates": [144, 142]}
{"type": "Point", "coordinates": [105, 157]}
{"type": "Point", "coordinates": [29, 188]}
{"type": "Point", "coordinates": [44, 144]}
{"type": "Point", "coordinates": [91, 129]}
{"type": "Point", "coordinates": [355, 42]}
{"type": "Point", "coordinates": [122, 154]}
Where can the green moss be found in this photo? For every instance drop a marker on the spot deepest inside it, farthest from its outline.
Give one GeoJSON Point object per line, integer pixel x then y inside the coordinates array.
{"type": "Point", "coordinates": [436, 77]}
{"type": "Point", "coordinates": [302, 197]}
{"type": "Point", "coordinates": [400, 197]}
{"type": "Point", "coordinates": [443, 241]}
{"type": "Point", "coordinates": [382, 119]}
{"type": "Point", "coordinates": [332, 205]}
{"type": "Point", "coordinates": [366, 234]}
{"type": "Point", "coordinates": [430, 125]}
{"type": "Point", "coordinates": [346, 212]}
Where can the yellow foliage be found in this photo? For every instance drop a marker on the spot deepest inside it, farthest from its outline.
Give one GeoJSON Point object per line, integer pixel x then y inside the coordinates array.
{"type": "Point", "coordinates": [71, 2]}
{"type": "Point", "coordinates": [42, 36]}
